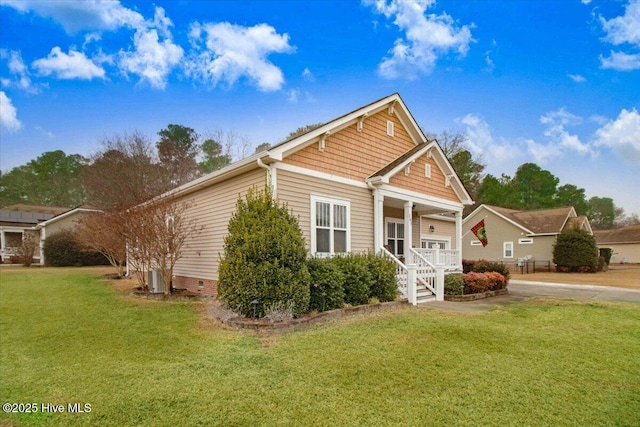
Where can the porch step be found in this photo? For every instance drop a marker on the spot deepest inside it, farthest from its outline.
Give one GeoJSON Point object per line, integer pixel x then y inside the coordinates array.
{"type": "Point", "coordinates": [424, 295]}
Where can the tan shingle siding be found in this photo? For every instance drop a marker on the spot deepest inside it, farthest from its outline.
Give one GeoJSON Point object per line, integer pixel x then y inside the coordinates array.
{"type": "Point", "coordinates": [416, 181]}
{"type": "Point", "coordinates": [356, 155]}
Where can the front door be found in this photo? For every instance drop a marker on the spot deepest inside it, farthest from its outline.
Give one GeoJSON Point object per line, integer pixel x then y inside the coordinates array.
{"type": "Point", "coordinates": [395, 236]}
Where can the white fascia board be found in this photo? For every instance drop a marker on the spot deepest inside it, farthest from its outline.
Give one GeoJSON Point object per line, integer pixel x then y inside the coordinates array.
{"type": "Point", "coordinates": [529, 232]}
{"type": "Point", "coordinates": [446, 168]}
{"type": "Point", "coordinates": [439, 217]}
{"type": "Point", "coordinates": [319, 175]}
{"type": "Point", "coordinates": [333, 126]}
{"type": "Point", "coordinates": [403, 165]}
{"type": "Point", "coordinates": [415, 197]}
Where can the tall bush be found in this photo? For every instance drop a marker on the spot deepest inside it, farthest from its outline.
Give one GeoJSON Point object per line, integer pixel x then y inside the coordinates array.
{"type": "Point", "coordinates": [327, 284]}
{"type": "Point", "coordinates": [357, 278]}
{"type": "Point", "coordinates": [62, 250]}
{"type": "Point", "coordinates": [484, 266]}
{"type": "Point", "coordinates": [383, 285]}
{"type": "Point", "coordinates": [575, 250]}
{"type": "Point", "coordinates": [264, 258]}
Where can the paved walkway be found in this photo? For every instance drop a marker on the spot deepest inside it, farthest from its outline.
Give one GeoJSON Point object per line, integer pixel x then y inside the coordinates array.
{"type": "Point", "coordinates": [522, 290]}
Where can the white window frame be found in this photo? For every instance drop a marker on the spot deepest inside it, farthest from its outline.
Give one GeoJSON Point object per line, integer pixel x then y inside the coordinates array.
{"type": "Point", "coordinates": [388, 221]}
{"type": "Point", "coordinates": [426, 239]}
{"type": "Point", "coordinates": [427, 171]}
{"type": "Point", "coordinates": [504, 249]}
{"type": "Point", "coordinates": [476, 243]}
{"type": "Point", "coordinates": [390, 128]}
{"type": "Point", "coordinates": [332, 202]}
{"type": "Point", "coordinates": [526, 241]}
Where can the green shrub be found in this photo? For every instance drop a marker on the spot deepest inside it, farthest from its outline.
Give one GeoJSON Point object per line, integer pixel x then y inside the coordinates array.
{"type": "Point", "coordinates": [384, 286]}
{"type": "Point", "coordinates": [327, 284]}
{"type": "Point", "coordinates": [575, 250]}
{"type": "Point", "coordinates": [484, 266]}
{"type": "Point", "coordinates": [453, 284]}
{"type": "Point", "coordinates": [357, 278]}
{"type": "Point", "coordinates": [62, 250]}
{"type": "Point", "coordinates": [264, 258]}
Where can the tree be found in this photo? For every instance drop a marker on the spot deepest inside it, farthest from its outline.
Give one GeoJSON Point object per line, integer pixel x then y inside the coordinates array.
{"type": "Point", "coordinates": [28, 248]}
{"type": "Point", "coordinates": [602, 213]}
{"type": "Point", "coordinates": [52, 179]}
{"type": "Point", "coordinates": [124, 173]}
{"type": "Point", "coordinates": [177, 151]}
{"type": "Point", "coordinates": [534, 187]}
{"type": "Point", "coordinates": [214, 158]}
{"type": "Point", "coordinates": [469, 171]}
{"type": "Point", "coordinates": [302, 130]}
{"type": "Point", "coordinates": [263, 147]}
{"type": "Point", "coordinates": [105, 232]}
{"type": "Point", "coordinates": [157, 233]}
{"type": "Point", "coordinates": [575, 250]}
{"type": "Point", "coordinates": [570, 195]}
{"type": "Point", "coordinates": [497, 191]}
{"type": "Point", "coordinates": [264, 258]}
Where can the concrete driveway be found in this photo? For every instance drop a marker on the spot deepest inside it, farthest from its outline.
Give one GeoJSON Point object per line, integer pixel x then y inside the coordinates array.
{"type": "Point", "coordinates": [522, 290]}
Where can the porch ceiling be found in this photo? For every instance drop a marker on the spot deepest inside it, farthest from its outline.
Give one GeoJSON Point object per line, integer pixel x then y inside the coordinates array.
{"type": "Point", "coordinates": [418, 208]}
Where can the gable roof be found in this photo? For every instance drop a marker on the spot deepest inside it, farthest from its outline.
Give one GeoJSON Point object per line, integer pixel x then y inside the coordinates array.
{"type": "Point", "coordinates": [66, 214]}
{"type": "Point", "coordinates": [393, 103]}
{"type": "Point", "coordinates": [21, 215]}
{"type": "Point", "coordinates": [536, 222]}
{"type": "Point", "coordinates": [628, 234]}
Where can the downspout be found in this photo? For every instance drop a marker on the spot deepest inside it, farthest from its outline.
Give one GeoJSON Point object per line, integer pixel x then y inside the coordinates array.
{"type": "Point", "coordinates": [270, 175]}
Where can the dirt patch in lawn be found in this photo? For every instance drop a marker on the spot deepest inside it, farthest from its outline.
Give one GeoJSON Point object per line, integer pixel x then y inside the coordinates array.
{"type": "Point", "coordinates": [618, 275]}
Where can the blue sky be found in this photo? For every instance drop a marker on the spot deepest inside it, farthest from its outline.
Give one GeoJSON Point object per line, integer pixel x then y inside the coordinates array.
{"type": "Point", "coordinates": [551, 82]}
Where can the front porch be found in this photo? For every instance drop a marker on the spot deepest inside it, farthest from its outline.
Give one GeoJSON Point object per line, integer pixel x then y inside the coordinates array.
{"type": "Point", "coordinates": [423, 236]}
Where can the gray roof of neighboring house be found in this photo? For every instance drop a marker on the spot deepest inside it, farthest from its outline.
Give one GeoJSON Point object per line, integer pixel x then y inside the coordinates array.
{"type": "Point", "coordinates": [25, 215]}
{"type": "Point", "coordinates": [543, 221]}
{"type": "Point", "coordinates": [628, 234]}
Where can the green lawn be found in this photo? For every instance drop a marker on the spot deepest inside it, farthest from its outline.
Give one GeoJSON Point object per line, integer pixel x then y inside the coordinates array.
{"type": "Point", "coordinates": [69, 337]}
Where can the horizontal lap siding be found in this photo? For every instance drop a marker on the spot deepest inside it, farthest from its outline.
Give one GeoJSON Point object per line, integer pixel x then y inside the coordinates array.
{"type": "Point", "coordinates": [296, 190]}
{"type": "Point", "coordinates": [212, 208]}
{"type": "Point", "coordinates": [440, 229]}
{"type": "Point", "coordinates": [417, 181]}
{"type": "Point", "coordinates": [357, 155]}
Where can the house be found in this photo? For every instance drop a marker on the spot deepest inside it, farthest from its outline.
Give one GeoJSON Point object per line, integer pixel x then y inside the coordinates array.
{"type": "Point", "coordinates": [624, 242]}
{"type": "Point", "coordinates": [62, 222]}
{"type": "Point", "coordinates": [18, 220]}
{"type": "Point", "coordinates": [515, 235]}
{"type": "Point", "coordinates": [42, 221]}
{"type": "Point", "coordinates": [360, 182]}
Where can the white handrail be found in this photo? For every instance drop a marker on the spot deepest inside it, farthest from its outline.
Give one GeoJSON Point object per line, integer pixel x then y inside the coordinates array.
{"type": "Point", "coordinates": [401, 272]}
{"type": "Point", "coordinates": [426, 272]}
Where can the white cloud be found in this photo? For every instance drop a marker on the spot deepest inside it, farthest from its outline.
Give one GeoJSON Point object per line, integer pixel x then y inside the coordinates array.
{"type": "Point", "coordinates": [19, 70]}
{"type": "Point", "coordinates": [623, 30]}
{"type": "Point", "coordinates": [293, 95]}
{"type": "Point", "coordinates": [542, 153]}
{"type": "Point", "coordinates": [9, 117]}
{"type": "Point", "coordinates": [75, 16]}
{"type": "Point", "coordinates": [626, 28]}
{"type": "Point", "coordinates": [427, 37]}
{"type": "Point", "coordinates": [481, 141]}
{"type": "Point", "coordinates": [621, 61]}
{"type": "Point", "coordinates": [578, 78]}
{"type": "Point", "coordinates": [74, 65]}
{"type": "Point", "coordinates": [232, 51]}
{"type": "Point", "coordinates": [558, 136]}
{"type": "Point", "coordinates": [622, 136]}
{"type": "Point", "coordinates": [308, 75]}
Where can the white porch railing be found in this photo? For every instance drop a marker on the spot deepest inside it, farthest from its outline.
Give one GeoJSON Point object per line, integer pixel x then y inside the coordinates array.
{"type": "Point", "coordinates": [447, 258]}
{"type": "Point", "coordinates": [419, 271]}
{"type": "Point", "coordinates": [401, 273]}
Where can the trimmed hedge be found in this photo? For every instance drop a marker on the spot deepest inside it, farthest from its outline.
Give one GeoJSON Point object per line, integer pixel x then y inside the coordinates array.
{"type": "Point", "coordinates": [484, 266]}
{"type": "Point", "coordinates": [473, 283]}
{"type": "Point", "coordinates": [357, 278]}
{"type": "Point", "coordinates": [63, 250]}
{"type": "Point", "coordinates": [453, 284]}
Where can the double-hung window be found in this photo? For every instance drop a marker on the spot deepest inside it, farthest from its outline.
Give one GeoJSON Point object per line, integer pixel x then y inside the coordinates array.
{"type": "Point", "coordinates": [330, 233]}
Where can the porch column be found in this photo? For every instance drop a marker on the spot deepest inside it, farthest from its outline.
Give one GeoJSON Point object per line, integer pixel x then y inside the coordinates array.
{"type": "Point", "coordinates": [459, 238]}
{"type": "Point", "coordinates": [408, 206]}
{"type": "Point", "coordinates": [378, 221]}
{"type": "Point", "coordinates": [3, 244]}
{"type": "Point", "coordinates": [43, 236]}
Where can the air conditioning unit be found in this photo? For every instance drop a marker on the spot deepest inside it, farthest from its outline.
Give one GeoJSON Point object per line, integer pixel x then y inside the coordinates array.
{"type": "Point", "coordinates": [156, 285]}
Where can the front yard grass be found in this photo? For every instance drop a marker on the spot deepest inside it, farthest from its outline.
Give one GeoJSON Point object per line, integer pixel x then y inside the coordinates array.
{"type": "Point", "coordinates": [66, 336]}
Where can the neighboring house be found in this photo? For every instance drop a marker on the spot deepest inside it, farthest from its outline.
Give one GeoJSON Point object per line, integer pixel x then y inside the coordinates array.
{"type": "Point", "coordinates": [358, 183]}
{"type": "Point", "coordinates": [625, 243]}
{"type": "Point", "coordinates": [65, 221]}
{"type": "Point", "coordinates": [16, 220]}
{"type": "Point", "coordinates": [515, 235]}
